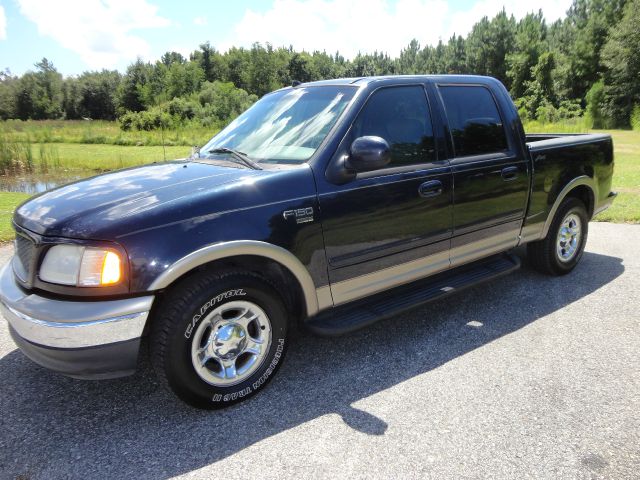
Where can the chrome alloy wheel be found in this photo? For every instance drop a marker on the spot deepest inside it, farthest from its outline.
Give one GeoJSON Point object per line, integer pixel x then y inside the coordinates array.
{"type": "Point", "coordinates": [569, 237]}
{"type": "Point", "coordinates": [231, 343]}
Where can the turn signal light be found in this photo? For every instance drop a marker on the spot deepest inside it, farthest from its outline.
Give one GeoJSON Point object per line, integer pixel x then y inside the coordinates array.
{"type": "Point", "coordinates": [111, 272]}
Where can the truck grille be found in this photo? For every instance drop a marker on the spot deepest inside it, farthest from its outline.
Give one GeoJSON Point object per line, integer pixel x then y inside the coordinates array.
{"type": "Point", "coordinates": [25, 254]}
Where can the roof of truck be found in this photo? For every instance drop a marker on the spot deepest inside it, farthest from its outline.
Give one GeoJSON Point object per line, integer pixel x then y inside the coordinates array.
{"type": "Point", "coordinates": [366, 80]}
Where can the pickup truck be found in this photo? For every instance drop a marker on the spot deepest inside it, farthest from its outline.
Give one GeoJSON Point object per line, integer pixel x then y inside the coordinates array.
{"type": "Point", "coordinates": [328, 205]}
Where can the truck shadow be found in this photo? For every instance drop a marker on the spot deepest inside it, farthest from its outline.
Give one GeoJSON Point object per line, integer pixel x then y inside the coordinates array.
{"type": "Point", "coordinates": [132, 428]}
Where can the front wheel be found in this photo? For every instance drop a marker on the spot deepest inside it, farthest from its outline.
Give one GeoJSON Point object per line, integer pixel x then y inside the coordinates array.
{"type": "Point", "coordinates": [219, 338]}
{"type": "Point", "coordinates": [561, 250]}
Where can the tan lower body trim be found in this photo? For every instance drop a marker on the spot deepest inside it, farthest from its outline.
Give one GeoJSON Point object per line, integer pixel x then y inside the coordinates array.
{"type": "Point", "coordinates": [324, 297]}
{"type": "Point", "coordinates": [531, 233]}
{"type": "Point", "coordinates": [375, 282]}
{"type": "Point", "coordinates": [475, 250]}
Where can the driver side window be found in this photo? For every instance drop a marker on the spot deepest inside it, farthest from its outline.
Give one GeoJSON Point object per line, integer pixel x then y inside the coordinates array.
{"type": "Point", "coordinates": [400, 115]}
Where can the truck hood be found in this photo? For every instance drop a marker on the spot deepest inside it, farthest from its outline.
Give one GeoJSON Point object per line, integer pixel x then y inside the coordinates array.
{"type": "Point", "coordinates": [128, 198]}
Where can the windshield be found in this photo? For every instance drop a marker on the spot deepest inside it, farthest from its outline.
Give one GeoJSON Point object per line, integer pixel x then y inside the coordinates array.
{"type": "Point", "coordinates": [286, 126]}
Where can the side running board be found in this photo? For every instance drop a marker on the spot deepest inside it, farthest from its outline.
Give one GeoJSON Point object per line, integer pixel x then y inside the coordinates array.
{"type": "Point", "coordinates": [361, 313]}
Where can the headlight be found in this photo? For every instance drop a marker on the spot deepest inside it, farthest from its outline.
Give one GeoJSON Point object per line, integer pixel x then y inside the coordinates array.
{"type": "Point", "coordinates": [81, 266]}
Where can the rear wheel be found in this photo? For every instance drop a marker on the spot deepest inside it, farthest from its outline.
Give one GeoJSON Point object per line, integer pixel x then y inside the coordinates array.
{"type": "Point", "coordinates": [561, 250]}
{"type": "Point", "coordinates": [219, 338]}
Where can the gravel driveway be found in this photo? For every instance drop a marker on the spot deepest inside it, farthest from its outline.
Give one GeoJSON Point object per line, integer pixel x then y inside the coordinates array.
{"type": "Point", "coordinates": [523, 377]}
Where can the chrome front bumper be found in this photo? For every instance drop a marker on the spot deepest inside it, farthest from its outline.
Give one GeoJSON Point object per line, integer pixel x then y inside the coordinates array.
{"type": "Point", "coordinates": [87, 339]}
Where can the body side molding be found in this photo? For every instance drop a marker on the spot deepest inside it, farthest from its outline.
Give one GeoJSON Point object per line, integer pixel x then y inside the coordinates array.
{"type": "Point", "coordinates": [242, 247]}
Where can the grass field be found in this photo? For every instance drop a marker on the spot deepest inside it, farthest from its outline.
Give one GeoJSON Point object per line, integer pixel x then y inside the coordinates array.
{"type": "Point", "coordinates": [8, 202]}
{"type": "Point", "coordinates": [626, 179]}
{"type": "Point", "coordinates": [101, 132]}
{"type": "Point", "coordinates": [98, 158]}
{"type": "Point", "coordinates": [56, 146]}
{"type": "Point", "coordinates": [22, 152]}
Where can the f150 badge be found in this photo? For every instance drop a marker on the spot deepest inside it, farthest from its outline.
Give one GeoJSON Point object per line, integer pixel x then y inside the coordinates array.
{"type": "Point", "coordinates": [302, 215]}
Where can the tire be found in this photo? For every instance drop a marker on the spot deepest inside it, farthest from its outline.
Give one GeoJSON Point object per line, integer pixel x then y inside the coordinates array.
{"type": "Point", "coordinates": [205, 340]}
{"type": "Point", "coordinates": [557, 254]}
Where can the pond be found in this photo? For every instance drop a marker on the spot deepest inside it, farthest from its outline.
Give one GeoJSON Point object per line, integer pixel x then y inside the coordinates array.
{"type": "Point", "coordinates": [38, 182]}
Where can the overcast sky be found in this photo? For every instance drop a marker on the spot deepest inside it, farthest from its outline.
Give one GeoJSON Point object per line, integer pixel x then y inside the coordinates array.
{"type": "Point", "coordinates": [79, 35]}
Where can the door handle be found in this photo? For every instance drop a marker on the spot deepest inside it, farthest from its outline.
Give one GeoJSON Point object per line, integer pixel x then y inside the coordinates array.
{"type": "Point", "coordinates": [430, 189]}
{"type": "Point", "coordinates": [510, 173]}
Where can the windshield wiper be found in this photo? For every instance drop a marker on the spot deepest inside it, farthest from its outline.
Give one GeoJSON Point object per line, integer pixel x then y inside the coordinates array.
{"type": "Point", "coordinates": [238, 155]}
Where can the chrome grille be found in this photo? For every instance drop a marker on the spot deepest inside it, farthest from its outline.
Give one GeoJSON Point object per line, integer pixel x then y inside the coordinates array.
{"type": "Point", "coordinates": [25, 253]}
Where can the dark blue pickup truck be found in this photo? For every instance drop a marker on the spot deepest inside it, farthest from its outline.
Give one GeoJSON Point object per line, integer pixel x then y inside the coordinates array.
{"type": "Point", "coordinates": [330, 204]}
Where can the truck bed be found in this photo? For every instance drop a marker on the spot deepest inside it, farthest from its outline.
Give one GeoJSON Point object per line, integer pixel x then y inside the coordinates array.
{"type": "Point", "coordinates": [559, 159]}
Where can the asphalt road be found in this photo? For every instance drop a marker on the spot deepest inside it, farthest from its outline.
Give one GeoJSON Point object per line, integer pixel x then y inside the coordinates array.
{"type": "Point", "coordinates": [523, 377]}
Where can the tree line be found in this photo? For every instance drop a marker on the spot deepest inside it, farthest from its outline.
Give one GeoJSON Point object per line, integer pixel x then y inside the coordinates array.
{"type": "Point", "coordinates": [585, 64]}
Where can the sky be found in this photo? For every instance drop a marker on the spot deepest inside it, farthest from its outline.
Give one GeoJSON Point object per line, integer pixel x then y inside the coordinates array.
{"type": "Point", "coordinates": [80, 35]}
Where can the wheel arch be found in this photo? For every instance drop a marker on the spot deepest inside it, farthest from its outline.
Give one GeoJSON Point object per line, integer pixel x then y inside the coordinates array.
{"type": "Point", "coordinates": [240, 252]}
{"type": "Point", "coordinates": [584, 188]}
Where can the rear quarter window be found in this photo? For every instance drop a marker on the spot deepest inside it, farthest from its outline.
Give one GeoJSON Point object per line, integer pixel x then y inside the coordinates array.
{"type": "Point", "coordinates": [474, 120]}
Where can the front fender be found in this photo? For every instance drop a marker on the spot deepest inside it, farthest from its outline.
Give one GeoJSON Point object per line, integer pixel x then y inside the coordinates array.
{"type": "Point", "coordinates": [243, 247]}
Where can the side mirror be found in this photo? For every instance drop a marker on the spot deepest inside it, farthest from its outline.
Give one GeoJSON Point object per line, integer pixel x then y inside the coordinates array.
{"type": "Point", "coordinates": [368, 153]}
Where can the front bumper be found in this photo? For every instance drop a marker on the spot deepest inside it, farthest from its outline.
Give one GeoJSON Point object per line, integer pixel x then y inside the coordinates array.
{"type": "Point", "coordinates": [83, 339]}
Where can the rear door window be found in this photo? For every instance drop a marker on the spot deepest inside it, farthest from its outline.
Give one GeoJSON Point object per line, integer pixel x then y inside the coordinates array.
{"type": "Point", "coordinates": [475, 123]}
{"type": "Point", "coordinates": [400, 115]}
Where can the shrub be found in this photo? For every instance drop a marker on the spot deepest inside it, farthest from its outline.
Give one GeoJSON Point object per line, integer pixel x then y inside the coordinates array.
{"type": "Point", "coordinates": [567, 110]}
{"type": "Point", "coordinates": [147, 120]}
{"type": "Point", "coordinates": [183, 109]}
{"type": "Point", "coordinates": [127, 121]}
{"type": "Point", "coordinates": [570, 109]}
{"type": "Point", "coordinates": [595, 102]}
{"type": "Point", "coordinates": [521, 105]}
{"type": "Point", "coordinates": [214, 106]}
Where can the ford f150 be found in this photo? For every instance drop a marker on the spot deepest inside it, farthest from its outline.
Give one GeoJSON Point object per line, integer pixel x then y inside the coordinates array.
{"type": "Point", "coordinates": [331, 204]}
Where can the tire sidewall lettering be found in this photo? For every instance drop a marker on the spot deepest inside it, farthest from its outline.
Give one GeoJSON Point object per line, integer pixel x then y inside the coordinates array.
{"type": "Point", "coordinates": [239, 292]}
{"type": "Point", "coordinates": [243, 392]}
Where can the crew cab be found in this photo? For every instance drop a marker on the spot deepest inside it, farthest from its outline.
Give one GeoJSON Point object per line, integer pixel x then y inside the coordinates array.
{"type": "Point", "coordinates": [328, 204]}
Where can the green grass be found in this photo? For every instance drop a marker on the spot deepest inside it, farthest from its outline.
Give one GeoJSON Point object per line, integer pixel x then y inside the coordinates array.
{"type": "Point", "coordinates": [573, 125]}
{"type": "Point", "coordinates": [26, 157]}
{"type": "Point", "coordinates": [626, 179]}
{"type": "Point", "coordinates": [101, 132]}
{"type": "Point", "coordinates": [98, 158]}
{"type": "Point", "coordinates": [8, 203]}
